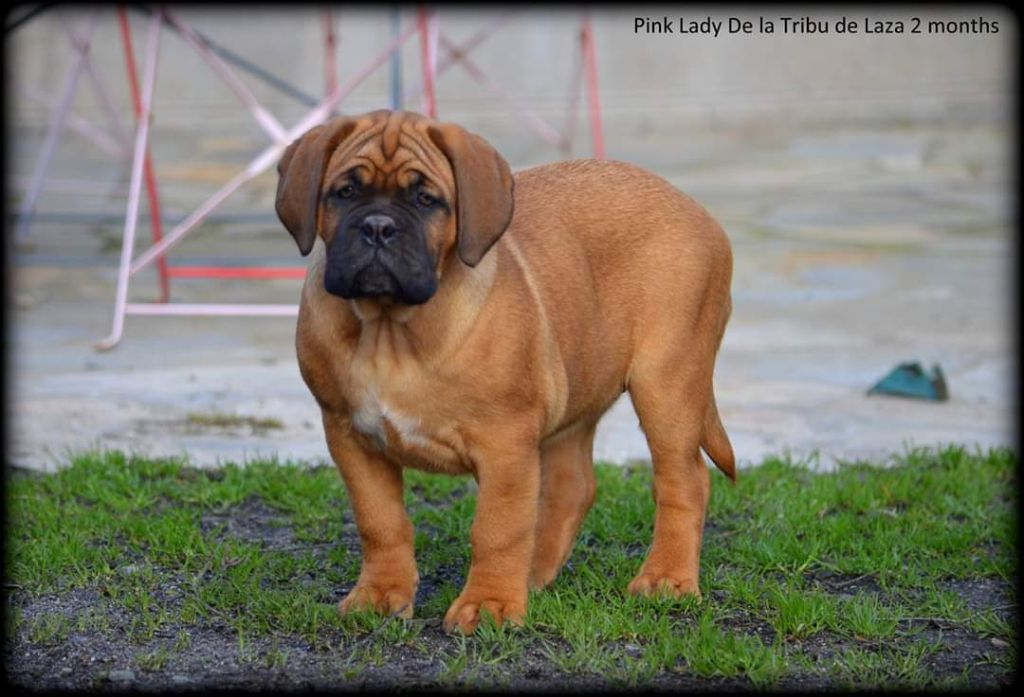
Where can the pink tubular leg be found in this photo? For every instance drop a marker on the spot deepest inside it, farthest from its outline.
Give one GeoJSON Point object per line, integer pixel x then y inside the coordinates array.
{"type": "Point", "coordinates": [113, 116]}
{"type": "Point", "coordinates": [270, 125]}
{"type": "Point", "coordinates": [53, 130]}
{"type": "Point", "coordinates": [135, 184]}
{"type": "Point", "coordinates": [156, 223]}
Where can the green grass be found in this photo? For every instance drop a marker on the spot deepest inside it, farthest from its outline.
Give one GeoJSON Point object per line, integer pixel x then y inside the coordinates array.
{"type": "Point", "coordinates": [835, 579]}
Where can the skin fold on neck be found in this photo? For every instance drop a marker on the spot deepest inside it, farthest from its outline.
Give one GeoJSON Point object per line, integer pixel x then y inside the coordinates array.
{"type": "Point", "coordinates": [430, 332]}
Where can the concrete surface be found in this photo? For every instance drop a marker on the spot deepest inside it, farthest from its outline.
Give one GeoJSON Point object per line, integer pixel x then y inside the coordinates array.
{"type": "Point", "coordinates": [856, 248]}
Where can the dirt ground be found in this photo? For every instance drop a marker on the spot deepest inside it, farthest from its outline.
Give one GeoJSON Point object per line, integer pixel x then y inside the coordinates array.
{"type": "Point", "coordinates": [87, 658]}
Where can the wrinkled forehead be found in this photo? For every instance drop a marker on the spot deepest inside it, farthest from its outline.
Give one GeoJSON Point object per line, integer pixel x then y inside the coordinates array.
{"type": "Point", "coordinates": [390, 153]}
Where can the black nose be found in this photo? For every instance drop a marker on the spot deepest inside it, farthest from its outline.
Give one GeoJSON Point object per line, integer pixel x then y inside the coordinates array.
{"type": "Point", "coordinates": [377, 230]}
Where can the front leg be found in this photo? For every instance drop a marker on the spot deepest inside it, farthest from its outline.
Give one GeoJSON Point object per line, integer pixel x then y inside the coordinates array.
{"type": "Point", "coordinates": [388, 578]}
{"type": "Point", "coordinates": [502, 536]}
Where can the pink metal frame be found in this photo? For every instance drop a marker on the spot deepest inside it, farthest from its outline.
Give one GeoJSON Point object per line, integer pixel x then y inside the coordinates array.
{"type": "Point", "coordinates": [585, 72]}
{"type": "Point", "coordinates": [115, 140]}
{"type": "Point", "coordinates": [281, 137]}
{"type": "Point", "coordinates": [426, 25]}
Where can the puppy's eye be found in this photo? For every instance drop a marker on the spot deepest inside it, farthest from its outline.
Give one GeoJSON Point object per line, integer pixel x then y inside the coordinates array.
{"type": "Point", "coordinates": [425, 199]}
{"type": "Point", "coordinates": [346, 191]}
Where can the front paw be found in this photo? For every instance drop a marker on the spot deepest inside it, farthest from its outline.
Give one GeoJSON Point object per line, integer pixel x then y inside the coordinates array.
{"type": "Point", "coordinates": [663, 584]}
{"type": "Point", "coordinates": [465, 612]}
{"type": "Point", "coordinates": [384, 599]}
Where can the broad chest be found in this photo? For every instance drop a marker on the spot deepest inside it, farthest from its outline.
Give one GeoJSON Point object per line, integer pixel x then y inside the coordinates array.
{"type": "Point", "coordinates": [396, 406]}
{"type": "Point", "coordinates": [406, 418]}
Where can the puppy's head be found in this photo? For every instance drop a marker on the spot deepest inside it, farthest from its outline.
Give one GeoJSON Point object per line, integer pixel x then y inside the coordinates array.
{"type": "Point", "coordinates": [393, 195]}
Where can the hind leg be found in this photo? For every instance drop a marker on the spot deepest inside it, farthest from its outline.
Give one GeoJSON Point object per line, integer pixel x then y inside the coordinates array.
{"type": "Point", "coordinates": [671, 397]}
{"type": "Point", "coordinates": [567, 492]}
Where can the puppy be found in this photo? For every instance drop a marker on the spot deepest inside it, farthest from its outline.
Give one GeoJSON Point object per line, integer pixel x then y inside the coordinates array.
{"type": "Point", "coordinates": [458, 319]}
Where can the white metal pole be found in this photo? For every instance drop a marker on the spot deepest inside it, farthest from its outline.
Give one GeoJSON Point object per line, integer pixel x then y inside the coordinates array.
{"type": "Point", "coordinates": [135, 184]}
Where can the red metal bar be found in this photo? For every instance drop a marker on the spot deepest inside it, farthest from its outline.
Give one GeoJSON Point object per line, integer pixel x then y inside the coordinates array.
{"type": "Point", "coordinates": [590, 72]}
{"type": "Point", "coordinates": [429, 103]}
{"type": "Point", "coordinates": [151, 191]}
{"type": "Point", "coordinates": [255, 272]}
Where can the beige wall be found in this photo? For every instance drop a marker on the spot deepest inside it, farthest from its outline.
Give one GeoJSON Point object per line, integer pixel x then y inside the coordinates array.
{"type": "Point", "coordinates": [647, 82]}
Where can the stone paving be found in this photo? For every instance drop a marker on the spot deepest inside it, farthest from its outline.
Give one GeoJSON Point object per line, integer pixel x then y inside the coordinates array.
{"type": "Point", "coordinates": [856, 248]}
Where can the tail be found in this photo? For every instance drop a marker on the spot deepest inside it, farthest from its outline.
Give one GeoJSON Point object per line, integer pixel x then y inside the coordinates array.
{"type": "Point", "coordinates": [716, 442]}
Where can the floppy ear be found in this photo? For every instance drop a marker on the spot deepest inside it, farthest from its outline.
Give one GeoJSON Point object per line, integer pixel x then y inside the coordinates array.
{"type": "Point", "coordinates": [301, 172]}
{"type": "Point", "coordinates": [484, 186]}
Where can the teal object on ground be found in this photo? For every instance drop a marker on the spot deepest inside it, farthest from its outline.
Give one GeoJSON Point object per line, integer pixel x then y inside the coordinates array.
{"type": "Point", "coordinates": [910, 380]}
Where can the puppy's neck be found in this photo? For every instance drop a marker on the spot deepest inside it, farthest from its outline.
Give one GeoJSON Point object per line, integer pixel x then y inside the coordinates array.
{"type": "Point", "coordinates": [440, 324]}
{"type": "Point", "coordinates": [382, 309]}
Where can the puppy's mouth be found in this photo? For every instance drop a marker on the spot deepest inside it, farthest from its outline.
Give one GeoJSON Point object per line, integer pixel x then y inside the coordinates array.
{"type": "Point", "coordinates": [376, 281]}
{"type": "Point", "coordinates": [371, 281]}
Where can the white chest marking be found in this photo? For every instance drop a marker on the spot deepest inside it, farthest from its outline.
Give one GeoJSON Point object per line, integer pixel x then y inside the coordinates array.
{"type": "Point", "coordinates": [372, 416]}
